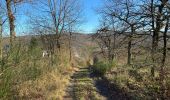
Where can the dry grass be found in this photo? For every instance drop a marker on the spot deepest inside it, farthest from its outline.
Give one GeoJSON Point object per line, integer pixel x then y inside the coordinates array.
{"type": "Point", "coordinates": [48, 86]}
{"type": "Point", "coordinates": [136, 78]}
{"type": "Point", "coordinates": [33, 77]}
{"type": "Point", "coordinates": [52, 82]}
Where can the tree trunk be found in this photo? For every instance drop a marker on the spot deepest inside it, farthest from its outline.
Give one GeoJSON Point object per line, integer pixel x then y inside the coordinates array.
{"type": "Point", "coordinates": [109, 51]}
{"type": "Point", "coordinates": [52, 55]}
{"type": "Point", "coordinates": [155, 37]}
{"type": "Point", "coordinates": [58, 39]}
{"type": "Point", "coordinates": [114, 47]}
{"type": "Point", "coordinates": [154, 51]}
{"type": "Point", "coordinates": [130, 44]}
{"type": "Point", "coordinates": [164, 54]}
{"type": "Point", "coordinates": [70, 59]}
{"type": "Point", "coordinates": [1, 42]}
{"type": "Point", "coordinates": [11, 19]}
{"type": "Point", "coordinates": [129, 51]}
{"type": "Point", "coordinates": [58, 44]}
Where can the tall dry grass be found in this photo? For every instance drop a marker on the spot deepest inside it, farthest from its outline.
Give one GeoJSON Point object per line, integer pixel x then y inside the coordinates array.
{"type": "Point", "coordinates": [25, 74]}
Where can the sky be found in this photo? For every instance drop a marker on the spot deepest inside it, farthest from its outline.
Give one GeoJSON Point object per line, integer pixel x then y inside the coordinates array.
{"type": "Point", "coordinates": [89, 15]}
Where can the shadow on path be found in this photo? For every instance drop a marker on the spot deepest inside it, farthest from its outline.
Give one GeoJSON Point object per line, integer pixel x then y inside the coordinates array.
{"type": "Point", "coordinates": [108, 89]}
{"type": "Point", "coordinates": [85, 84]}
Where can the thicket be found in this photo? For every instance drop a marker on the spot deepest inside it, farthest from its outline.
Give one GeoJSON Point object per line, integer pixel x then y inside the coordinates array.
{"type": "Point", "coordinates": [25, 74]}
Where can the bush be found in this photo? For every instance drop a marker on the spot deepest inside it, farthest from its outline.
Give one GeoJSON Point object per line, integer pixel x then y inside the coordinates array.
{"type": "Point", "coordinates": [5, 84]}
{"type": "Point", "coordinates": [30, 73]}
{"type": "Point", "coordinates": [134, 73]}
{"type": "Point", "coordinates": [100, 68]}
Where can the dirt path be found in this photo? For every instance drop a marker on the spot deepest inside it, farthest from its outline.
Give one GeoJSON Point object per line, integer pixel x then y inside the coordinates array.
{"type": "Point", "coordinates": [82, 87]}
{"type": "Point", "coordinates": [85, 86]}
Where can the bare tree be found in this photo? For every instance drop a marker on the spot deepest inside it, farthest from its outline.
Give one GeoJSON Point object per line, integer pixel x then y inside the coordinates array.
{"type": "Point", "coordinates": [70, 40]}
{"type": "Point", "coordinates": [156, 27]}
{"type": "Point", "coordinates": [164, 56]}
{"type": "Point", "coordinates": [11, 20]}
{"type": "Point", "coordinates": [1, 38]}
{"type": "Point", "coordinates": [104, 38]}
{"type": "Point", "coordinates": [56, 18]}
{"type": "Point", "coordinates": [165, 20]}
{"type": "Point", "coordinates": [124, 11]}
{"type": "Point", "coordinates": [3, 19]}
{"type": "Point", "coordinates": [153, 13]}
{"type": "Point", "coordinates": [11, 10]}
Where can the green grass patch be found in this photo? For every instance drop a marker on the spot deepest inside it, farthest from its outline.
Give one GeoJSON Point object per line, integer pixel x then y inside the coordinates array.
{"type": "Point", "coordinates": [101, 68]}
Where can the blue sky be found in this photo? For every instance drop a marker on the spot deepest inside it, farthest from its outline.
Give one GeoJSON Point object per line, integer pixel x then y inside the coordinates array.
{"type": "Point", "coordinates": [91, 16]}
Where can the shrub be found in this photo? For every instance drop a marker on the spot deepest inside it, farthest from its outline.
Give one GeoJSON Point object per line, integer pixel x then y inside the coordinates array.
{"type": "Point", "coordinates": [134, 73]}
{"type": "Point", "coordinates": [5, 84]}
{"type": "Point", "coordinates": [100, 68]}
{"type": "Point", "coordinates": [30, 73]}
